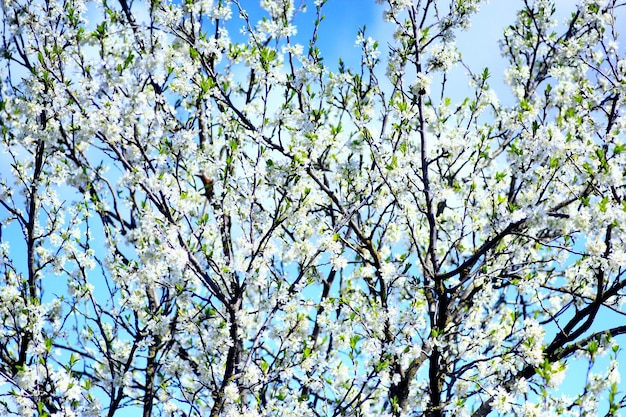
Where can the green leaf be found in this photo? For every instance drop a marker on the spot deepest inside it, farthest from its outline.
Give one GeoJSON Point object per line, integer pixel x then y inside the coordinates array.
{"type": "Point", "coordinates": [306, 352]}
{"type": "Point", "coordinates": [535, 126]}
{"type": "Point", "coordinates": [584, 200]}
{"type": "Point", "coordinates": [554, 162]}
{"type": "Point", "coordinates": [525, 105]}
{"type": "Point", "coordinates": [206, 84]}
{"type": "Point", "coordinates": [603, 204]}
{"type": "Point", "coordinates": [354, 340]}
{"type": "Point", "coordinates": [393, 164]}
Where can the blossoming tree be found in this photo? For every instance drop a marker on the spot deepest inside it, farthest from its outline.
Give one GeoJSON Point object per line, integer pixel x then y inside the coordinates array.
{"type": "Point", "coordinates": [202, 217]}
